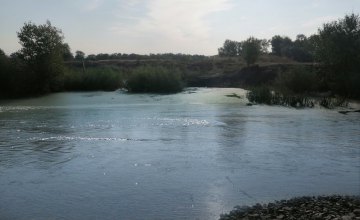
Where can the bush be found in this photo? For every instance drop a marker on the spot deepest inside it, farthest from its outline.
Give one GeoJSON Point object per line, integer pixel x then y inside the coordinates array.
{"type": "Point", "coordinates": [261, 95]}
{"type": "Point", "coordinates": [5, 75]}
{"type": "Point", "coordinates": [96, 78]}
{"type": "Point", "coordinates": [337, 49]}
{"type": "Point", "coordinates": [16, 79]}
{"type": "Point", "coordinates": [297, 80]}
{"type": "Point", "coordinates": [154, 79]}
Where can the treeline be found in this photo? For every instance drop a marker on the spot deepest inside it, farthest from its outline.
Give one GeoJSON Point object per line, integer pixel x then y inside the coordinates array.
{"type": "Point", "coordinates": [302, 49]}
{"type": "Point", "coordinates": [80, 56]}
{"type": "Point", "coordinates": [39, 67]}
{"type": "Point", "coordinates": [335, 49]}
{"type": "Point", "coordinates": [45, 63]}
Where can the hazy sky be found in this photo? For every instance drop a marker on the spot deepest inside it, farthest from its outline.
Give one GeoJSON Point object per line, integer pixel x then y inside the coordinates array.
{"type": "Point", "coordinates": [176, 26]}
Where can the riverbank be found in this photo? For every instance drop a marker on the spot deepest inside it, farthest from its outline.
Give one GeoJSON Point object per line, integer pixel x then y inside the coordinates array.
{"type": "Point", "coordinates": [271, 72]}
{"type": "Point", "coordinates": [322, 207]}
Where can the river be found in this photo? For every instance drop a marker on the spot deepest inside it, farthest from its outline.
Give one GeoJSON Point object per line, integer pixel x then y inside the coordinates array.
{"type": "Point", "coordinates": [192, 155]}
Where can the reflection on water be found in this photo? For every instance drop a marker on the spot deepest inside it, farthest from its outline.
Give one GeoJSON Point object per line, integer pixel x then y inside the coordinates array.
{"type": "Point", "coordinates": [185, 156]}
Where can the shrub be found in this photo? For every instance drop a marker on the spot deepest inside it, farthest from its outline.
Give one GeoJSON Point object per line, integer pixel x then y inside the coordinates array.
{"type": "Point", "coordinates": [261, 95]}
{"type": "Point", "coordinates": [95, 78]}
{"type": "Point", "coordinates": [297, 80]}
{"type": "Point", "coordinates": [154, 79]}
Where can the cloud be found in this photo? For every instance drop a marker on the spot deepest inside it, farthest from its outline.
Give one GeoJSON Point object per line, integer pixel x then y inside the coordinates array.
{"type": "Point", "coordinates": [178, 22]}
{"type": "Point", "coordinates": [93, 5]}
{"type": "Point", "coordinates": [183, 18]}
{"type": "Point", "coordinates": [317, 22]}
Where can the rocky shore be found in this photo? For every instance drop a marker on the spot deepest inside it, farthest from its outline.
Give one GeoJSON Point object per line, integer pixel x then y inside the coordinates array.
{"type": "Point", "coordinates": [322, 207]}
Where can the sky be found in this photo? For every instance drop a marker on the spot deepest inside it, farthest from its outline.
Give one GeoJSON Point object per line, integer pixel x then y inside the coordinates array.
{"type": "Point", "coordinates": [167, 26]}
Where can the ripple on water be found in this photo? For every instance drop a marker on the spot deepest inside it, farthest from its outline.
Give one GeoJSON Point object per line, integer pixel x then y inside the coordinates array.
{"type": "Point", "coordinates": [180, 121]}
{"type": "Point", "coordinates": [72, 138]}
{"type": "Point", "coordinates": [79, 138]}
{"type": "Point", "coordinates": [19, 108]}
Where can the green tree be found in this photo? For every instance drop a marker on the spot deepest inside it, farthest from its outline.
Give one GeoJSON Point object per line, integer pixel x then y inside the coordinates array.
{"type": "Point", "coordinates": [230, 48]}
{"type": "Point", "coordinates": [2, 53]}
{"type": "Point", "coordinates": [280, 45]}
{"type": "Point", "coordinates": [42, 52]}
{"type": "Point", "coordinates": [91, 57]}
{"type": "Point", "coordinates": [264, 46]}
{"type": "Point", "coordinates": [299, 50]}
{"type": "Point", "coordinates": [67, 55]}
{"type": "Point", "coordinates": [337, 48]}
{"type": "Point", "coordinates": [103, 56]}
{"type": "Point", "coordinates": [302, 49]}
{"type": "Point", "coordinates": [4, 75]}
{"type": "Point", "coordinates": [79, 55]}
{"type": "Point", "coordinates": [251, 50]}
{"type": "Point", "coordinates": [15, 80]}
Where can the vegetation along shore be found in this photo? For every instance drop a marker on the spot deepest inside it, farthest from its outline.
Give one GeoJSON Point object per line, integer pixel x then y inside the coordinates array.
{"type": "Point", "coordinates": [276, 71]}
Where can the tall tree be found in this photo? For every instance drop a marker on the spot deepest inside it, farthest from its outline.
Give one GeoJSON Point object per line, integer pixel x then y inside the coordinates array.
{"type": "Point", "coordinates": [299, 50]}
{"type": "Point", "coordinates": [4, 73]}
{"type": "Point", "coordinates": [67, 55]}
{"type": "Point", "coordinates": [230, 48]}
{"type": "Point", "coordinates": [79, 55]}
{"type": "Point", "coordinates": [251, 50]}
{"type": "Point", "coordinates": [337, 47]}
{"type": "Point", "coordinates": [42, 51]}
{"type": "Point", "coordinates": [302, 50]}
{"type": "Point", "coordinates": [280, 45]}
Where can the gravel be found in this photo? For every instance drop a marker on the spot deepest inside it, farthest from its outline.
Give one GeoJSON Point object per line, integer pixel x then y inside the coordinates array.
{"type": "Point", "coordinates": [322, 207]}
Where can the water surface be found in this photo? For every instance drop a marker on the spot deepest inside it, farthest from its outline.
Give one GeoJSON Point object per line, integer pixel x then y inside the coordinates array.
{"type": "Point", "coordinates": [193, 155]}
